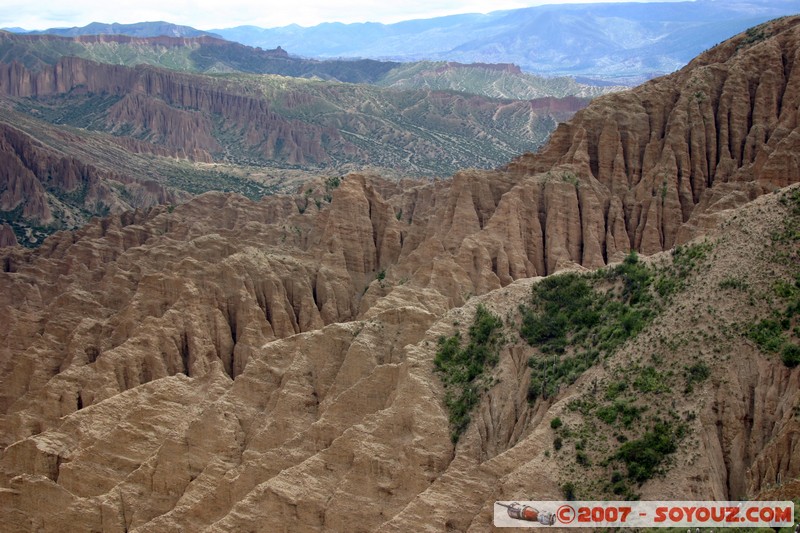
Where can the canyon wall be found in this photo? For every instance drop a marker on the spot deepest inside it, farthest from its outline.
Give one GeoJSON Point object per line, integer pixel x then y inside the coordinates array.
{"type": "Point", "coordinates": [238, 365]}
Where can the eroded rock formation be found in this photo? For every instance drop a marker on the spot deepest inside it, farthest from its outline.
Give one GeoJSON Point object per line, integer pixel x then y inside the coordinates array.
{"type": "Point", "coordinates": [237, 365]}
{"type": "Point", "coordinates": [713, 135]}
{"type": "Point", "coordinates": [156, 102]}
{"type": "Point", "coordinates": [46, 188]}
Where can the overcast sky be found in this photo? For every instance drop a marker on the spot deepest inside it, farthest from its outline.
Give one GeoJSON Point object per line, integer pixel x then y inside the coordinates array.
{"type": "Point", "coordinates": [208, 14]}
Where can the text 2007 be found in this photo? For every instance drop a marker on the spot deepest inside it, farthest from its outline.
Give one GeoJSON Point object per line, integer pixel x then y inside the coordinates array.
{"type": "Point", "coordinates": [603, 514]}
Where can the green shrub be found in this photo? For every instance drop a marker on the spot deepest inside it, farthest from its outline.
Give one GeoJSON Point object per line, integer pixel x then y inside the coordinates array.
{"type": "Point", "coordinates": [666, 285]}
{"type": "Point", "coordinates": [791, 355]}
{"type": "Point", "coordinates": [332, 183]}
{"type": "Point", "coordinates": [651, 380]}
{"type": "Point", "coordinates": [625, 412]}
{"type": "Point", "coordinates": [636, 279]}
{"type": "Point", "coordinates": [461, 368]}
{"type": "Point", "coordinates": [696, 373]}
{"type": "Point", "coordinates": [615, 388]}
{"type": "Point", "coordinates": [540, 329]}
{"type": "Point", "coordinates": [733, 283]}
{"type": "Point", "coordinates": [767, 334]}
{"type": "Point", "coordinates": [784, 289]}
{"type": "Point", "coordinates": [607, 414]}
{"type": "Point", "coordinates": [484, 326]}
{"type": "Point", "coordinates": [566, 303]}
{"type": "Point", "coordinates": [643, 456]}
{"type": "Point", "coordinates": [619, 487]}
{"type": "Point", "coordinates": [582, 459]}
{"type": "Point", "coordinates": [556, 423]}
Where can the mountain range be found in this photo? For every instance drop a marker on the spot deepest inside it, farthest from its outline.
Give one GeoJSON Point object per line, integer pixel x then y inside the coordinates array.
{"type": "Point", "coordinates": [139, 29]}
{"type": "Point", "coordinates": [612, 317]}
{"type": "Point", "coordinates": [618, 41]}
{"type": "Point", "coordinates": [623, 42]}
{"type": "Point", "coordinates": [188, 115]}
{"type": "Point", "coordinates": [213, 55]}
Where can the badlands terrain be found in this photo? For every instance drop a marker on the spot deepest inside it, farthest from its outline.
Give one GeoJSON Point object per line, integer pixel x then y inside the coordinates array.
{"type": "Point", "coordinates": [98, 125]}
{"type": "Point", "coordinates": [376, 355]}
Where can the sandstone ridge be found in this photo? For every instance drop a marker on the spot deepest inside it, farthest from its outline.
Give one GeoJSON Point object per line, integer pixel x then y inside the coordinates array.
{"type": "Point", "coordinates": [237, 365]}
{"type": "Point", "coordinates": [48, 189]}
{"type": "Point", "coordinates": [205, 387]}
{"type": "Point", "coordinates": [711, 136]}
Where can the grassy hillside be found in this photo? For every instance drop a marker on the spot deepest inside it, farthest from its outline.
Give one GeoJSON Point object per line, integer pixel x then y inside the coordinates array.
{"type": "Point", "coordinates": [487, 80]}
{"type": "Point", "coordinates": [635, 370]}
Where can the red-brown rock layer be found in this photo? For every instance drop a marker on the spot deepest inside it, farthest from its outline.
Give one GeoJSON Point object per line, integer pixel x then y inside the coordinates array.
{"type": "Point", "coordinates": [7, 237]}
{"type": "Point", "coordinates": [162, 103]}
{"type": "Point", "coordinates": [231, 365]}
{"type": "Point", "coordinates": [711, 136]}
{"type": "Point", "coordinates": [47, 188]}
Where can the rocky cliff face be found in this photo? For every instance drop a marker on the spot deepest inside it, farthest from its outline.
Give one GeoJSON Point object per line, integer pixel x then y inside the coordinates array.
{"type": "Point", "coordinates": [282, 122]}
{"type": "Point", "coordinates": [154, 107]}
{"type": "Point", "coordinates": [237, 365]}
{"type": "Point", "coordinates": [7, 237]}
{"type": "Point", "coordinates": [40, 187]}
{"type": "Point", "coordinates": [713, 135]}
{"type": "Point", "coordinates": [199, 368]}
{"type": "Point", "coordinates": [275, 122]}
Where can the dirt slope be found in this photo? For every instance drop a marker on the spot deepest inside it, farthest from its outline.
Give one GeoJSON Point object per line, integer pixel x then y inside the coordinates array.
{"type": "Point", "coordinates": [233, 365]}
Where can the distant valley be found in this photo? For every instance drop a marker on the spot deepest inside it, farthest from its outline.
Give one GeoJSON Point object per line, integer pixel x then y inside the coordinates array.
{"type": "Point", "coordinates": [624, 42]}
{"type": "Point", "coordinates": [616, 316]}
{"type": "Point", "coordinates": [190, 115]}
{"type": "Point", "coordinates": [615, 41]}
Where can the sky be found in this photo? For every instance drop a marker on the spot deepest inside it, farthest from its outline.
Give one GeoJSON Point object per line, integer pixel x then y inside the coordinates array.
{"type": "Point", "coordinates": [218, 14]}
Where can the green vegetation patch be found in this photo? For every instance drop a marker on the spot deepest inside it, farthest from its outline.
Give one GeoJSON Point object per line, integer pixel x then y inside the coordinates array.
{"type": "Point", "coordinates": [643, 456]}
{"type": "Point", "coordinates": [731, 283]}
{"type": "Point", "coordinates": [463, 369]}
{"type": "Point", "coordinates": [780, 332]}
{"type": "Point", "coordinates": [685, 259]}
{"type": "Point", "coordinates": [752, 36]}
{"type": "Point", "coordinates": [649, 379]}
{"type": "Point", "coordinates": [768, 335]}
{"type": "Point", "coordinates": [621, 410]}
{"type": "Point", "coordinates": [194, 180]}
{"type": "Point", "coordinates": [696, 373]}
{"type": "Point", "coordinates": [76, 108]}
{"type": "Point", "coordinates": [574, 320]}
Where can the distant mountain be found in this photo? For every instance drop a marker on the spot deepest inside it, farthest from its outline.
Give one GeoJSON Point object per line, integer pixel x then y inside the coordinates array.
{"type": "Point", "coordinates": [218, 56]}
{"type": "Point", "coordinates": [138, 29]}
{"type": "Point", "coordinates": [492, 80]}
{"type": "Point", "coordinates": [195, 54]}
{"type": "Point", "coordinates": [614, 40]}
{"type": "Point", "coordinates": [174, 129]}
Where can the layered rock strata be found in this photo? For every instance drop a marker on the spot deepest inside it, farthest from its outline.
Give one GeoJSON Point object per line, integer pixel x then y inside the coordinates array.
{"type": "Point", "coordinates": [237, 365]}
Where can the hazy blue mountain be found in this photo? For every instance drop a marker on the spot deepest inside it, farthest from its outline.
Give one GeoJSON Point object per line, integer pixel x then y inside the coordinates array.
{"type": "Point", "coordinates": [614, 40]}
{"type": "Point", "coordinates": [138, 29]}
